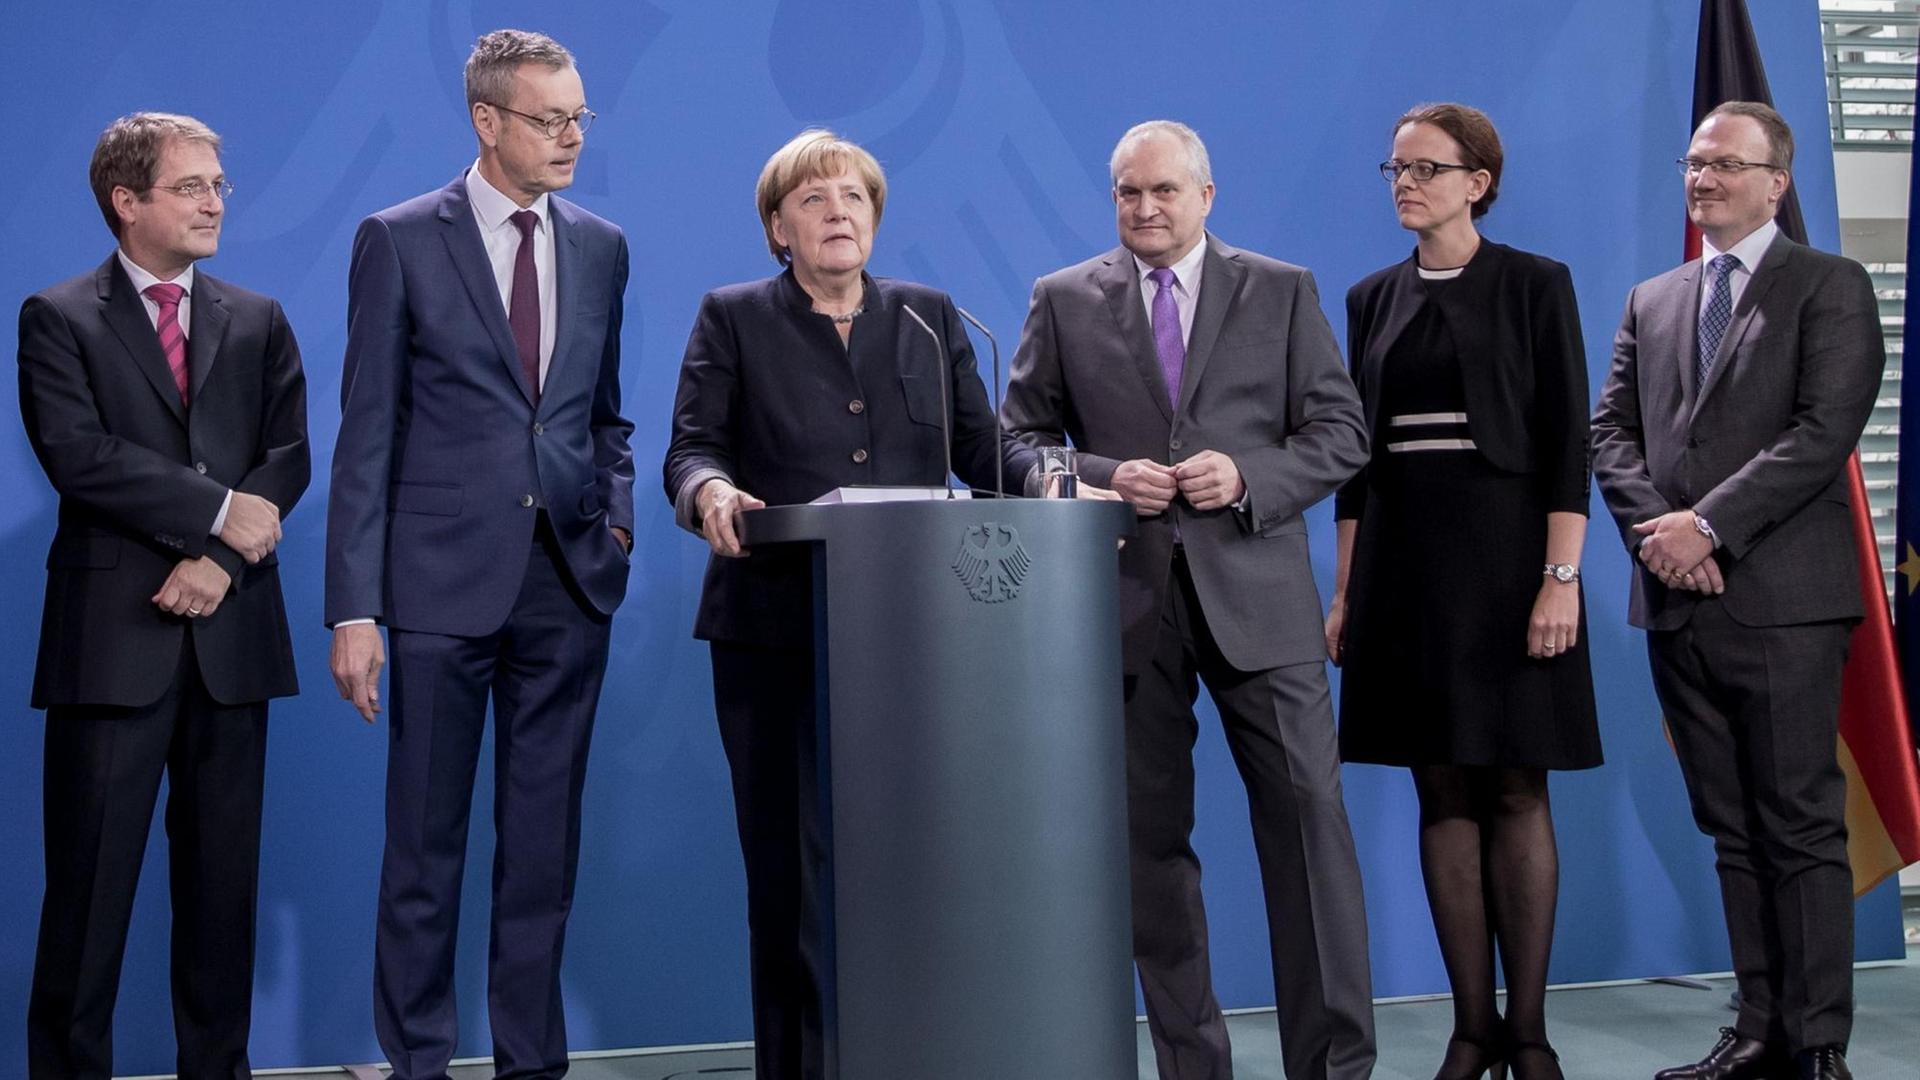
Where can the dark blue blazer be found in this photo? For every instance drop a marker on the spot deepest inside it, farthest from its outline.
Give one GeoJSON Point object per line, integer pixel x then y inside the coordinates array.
{"type": "Point", "coordinates": [141, 478]}
{"type": "Point", "coordinates": [770, 397]}
{"type": "Point", "coordinates": [442, 458]}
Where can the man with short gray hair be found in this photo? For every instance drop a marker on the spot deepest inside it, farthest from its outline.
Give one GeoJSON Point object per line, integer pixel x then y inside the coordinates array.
{"type": "Point", "coordinates": [1203, 384]}
{"type": "Point", "coordinates": [482, 509]}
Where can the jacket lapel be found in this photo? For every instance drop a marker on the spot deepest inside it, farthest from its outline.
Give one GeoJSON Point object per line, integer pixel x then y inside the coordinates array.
{"type": "Point", "coordinates": [1686, 294]}
{"type": "Point", "coordinates": [1399, 316]}
{"type": "Point", "coordinates": [1751, 298]}
{"type": "Point", "coordinates": [127, 316]}
{"type": "Point", "coordinates": [462, 234]}
{"type": "Point", "coordinates": [210, 319]}
{"type": "Point", "coordinates": [1118, 280]}
{"type": "Point", "coordinates": [567, 270]}
{"type": "Point", "coordinates": [1219, 288]}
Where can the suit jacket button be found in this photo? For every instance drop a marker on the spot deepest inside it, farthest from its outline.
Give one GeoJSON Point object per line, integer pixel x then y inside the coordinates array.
{"type": "Point", "coordinates": [856, 406]}
{"type": "Point", "coordinates": [200, 467]}
{"type": "Point", "coordinates": [1174, 445]}
{"type": "Point", "coordinates": [859, 457]}
{"type": "Point", "coordinates": [526, 500]}
{"type": "Point", "coordinates": [1693, 443]}
{"type": "Point", "coordinates": [539, 428]}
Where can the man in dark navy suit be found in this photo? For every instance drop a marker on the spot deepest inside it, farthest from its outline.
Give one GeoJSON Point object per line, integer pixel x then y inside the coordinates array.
{"type": "Point", "coordinates": [170, 413]}
{"type": "Point", "coordinates": [482, 510]}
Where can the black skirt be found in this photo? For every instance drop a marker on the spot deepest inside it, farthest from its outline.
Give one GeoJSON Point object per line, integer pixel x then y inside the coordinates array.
{"type": "Point", "coordinates": [1446, 567]}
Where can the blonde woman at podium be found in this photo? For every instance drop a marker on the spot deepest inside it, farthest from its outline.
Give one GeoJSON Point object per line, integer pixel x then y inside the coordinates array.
{"type": "Point", "coordinates": [818, 378]}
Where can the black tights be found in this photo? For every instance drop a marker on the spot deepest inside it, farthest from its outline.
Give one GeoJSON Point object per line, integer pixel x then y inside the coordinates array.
{"type": "Point", "coordinates": [1493, 876]}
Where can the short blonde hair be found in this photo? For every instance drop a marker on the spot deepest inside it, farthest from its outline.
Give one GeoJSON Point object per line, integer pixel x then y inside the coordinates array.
{"type": "Point", "coordinates": [814, 154]}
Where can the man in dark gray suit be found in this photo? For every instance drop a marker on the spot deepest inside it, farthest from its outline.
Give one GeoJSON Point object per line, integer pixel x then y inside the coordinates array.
{"type": "Point", "coordinates": [1203, 384]}
{"type": "Point", "coordinates": [1740, 384]}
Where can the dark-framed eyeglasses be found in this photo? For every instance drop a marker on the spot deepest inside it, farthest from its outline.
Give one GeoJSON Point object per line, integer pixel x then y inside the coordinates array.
{"type": "Point", "coordinates": [1726, 168]}
{"type": "Point", "coordinates": [195, 190]}
{"type": "Point", "coordinates": [552, 126]}
{"type": "Point", "coordinates": [1422, 169]}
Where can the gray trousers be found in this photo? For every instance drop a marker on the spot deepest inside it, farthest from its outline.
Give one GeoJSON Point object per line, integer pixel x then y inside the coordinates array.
{"type": "Point", "coordinates": [1279, 726]}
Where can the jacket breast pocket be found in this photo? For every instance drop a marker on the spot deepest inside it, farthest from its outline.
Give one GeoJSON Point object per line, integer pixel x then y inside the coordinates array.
{"type": "Point", "coordinates": [923, 399]}
{"type": "Point", "coordinates": [443, 500]}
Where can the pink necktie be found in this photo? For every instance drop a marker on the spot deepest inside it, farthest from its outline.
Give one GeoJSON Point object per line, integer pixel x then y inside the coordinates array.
{"type": "Point", "coordinates": [173, 340]}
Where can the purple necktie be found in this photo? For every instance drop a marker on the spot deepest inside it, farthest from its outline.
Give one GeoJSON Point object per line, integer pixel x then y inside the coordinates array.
{"type": "Point", "coordinates": [523, 315]}
{"type": "Point", "coordinates": [1166, 332]}
{"type": "Point", "coordinates": [173, 340]}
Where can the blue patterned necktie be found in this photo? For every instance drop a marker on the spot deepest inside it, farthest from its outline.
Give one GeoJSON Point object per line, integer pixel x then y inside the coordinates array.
{"type": "Point", "coordinates": [1717, 316]}
{"type": "Point", "coordinates": [1166, 332]}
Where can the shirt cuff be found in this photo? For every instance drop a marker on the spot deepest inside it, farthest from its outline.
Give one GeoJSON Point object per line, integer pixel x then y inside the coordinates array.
{"type": "Point", "coordinates": [220, 519]}
{"type": "Point", "coordinates": [353, 622]}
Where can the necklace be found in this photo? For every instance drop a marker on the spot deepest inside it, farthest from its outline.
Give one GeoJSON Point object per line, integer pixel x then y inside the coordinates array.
{"type": "Point", "coordinates": [842, 320]}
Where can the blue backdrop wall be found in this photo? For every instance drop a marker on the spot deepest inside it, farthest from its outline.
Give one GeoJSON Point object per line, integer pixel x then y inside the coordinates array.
{"type": "Point", "coordinates": [994, 121]}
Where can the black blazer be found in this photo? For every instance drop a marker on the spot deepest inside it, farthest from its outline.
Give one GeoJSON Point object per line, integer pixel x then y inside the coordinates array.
{"type": "Point", "coordinates": [1524, 367]}
{"type": "Point", "coordinates": [140, 479]}
{"type": "Point", "coordinates": [770, 398]}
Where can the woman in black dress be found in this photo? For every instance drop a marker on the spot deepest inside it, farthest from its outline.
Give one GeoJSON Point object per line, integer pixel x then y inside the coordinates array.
{"type": "Point", "coordinates": [1456, 615]}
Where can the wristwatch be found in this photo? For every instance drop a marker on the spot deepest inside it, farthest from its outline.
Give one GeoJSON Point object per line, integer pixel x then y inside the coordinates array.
{"type": "Point", "coordinates": [1701, 523]}
{"type": "Point", "coordinates": [1564, 573]}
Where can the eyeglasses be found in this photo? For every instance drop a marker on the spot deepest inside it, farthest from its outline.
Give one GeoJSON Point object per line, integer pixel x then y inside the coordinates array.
{"type": "Point", "coordinates": [1728, 168]}
{"type": "Point", "coordinates": [195, 190]}
{"type": "Point", "coordinates": [1422, 170]}
{"type": "Point", "coordinates": [552, 126]}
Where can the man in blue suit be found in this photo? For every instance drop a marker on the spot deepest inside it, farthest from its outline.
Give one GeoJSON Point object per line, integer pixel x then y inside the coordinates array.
{"type": "Point", "coordinates": [482, 510]}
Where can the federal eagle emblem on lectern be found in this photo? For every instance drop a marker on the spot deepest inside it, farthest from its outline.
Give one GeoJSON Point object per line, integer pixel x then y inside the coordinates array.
{"type": "Point", "coordinates": [991, 562]}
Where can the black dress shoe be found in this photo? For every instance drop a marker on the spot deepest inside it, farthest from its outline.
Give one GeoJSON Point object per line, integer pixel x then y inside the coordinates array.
{"type": "Point", "coordinates": [1734, 1057]}
{"type": "Point", "coordinates": [1823, 1063]}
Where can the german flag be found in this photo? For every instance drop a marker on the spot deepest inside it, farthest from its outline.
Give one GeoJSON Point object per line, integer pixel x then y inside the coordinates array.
{"type": "Point", "coordinates": [1876, 742]}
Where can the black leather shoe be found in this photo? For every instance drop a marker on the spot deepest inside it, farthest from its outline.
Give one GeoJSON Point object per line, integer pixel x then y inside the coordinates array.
{"type": "Point", "coordinates": [1823, 1063]}
{"type": "Point", "coordinates": [1734, 1057]}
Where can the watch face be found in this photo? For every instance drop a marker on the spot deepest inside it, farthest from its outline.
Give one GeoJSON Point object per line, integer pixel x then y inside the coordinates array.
{"type": "Point", "coordinates": [1563, 573]}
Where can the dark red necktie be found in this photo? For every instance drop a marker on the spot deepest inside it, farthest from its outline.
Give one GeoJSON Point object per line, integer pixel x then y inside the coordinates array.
{"type": "Point", "coordinates": [173, 340]}
{"type": "Point", "coordinates": [523, 315]}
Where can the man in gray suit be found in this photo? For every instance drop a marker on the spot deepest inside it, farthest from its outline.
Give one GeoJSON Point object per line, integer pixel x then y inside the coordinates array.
{"type": "Point", "coordinates": [1740, 384]}
{"type": "Point", "coordinates": [1203, 384]}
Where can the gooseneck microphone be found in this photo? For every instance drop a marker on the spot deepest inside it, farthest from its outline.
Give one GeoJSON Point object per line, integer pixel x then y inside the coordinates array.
{"type": "Point", "coordinates": [946, 391]}
{"type": "Point", "coordinates": [999, 459]}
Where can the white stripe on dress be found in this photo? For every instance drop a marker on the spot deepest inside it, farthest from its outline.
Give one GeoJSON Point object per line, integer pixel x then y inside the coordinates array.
{"type": "Point", "coordinates": [1430, 444]}
{"type": "Point", "coordinates": [1411, 419]}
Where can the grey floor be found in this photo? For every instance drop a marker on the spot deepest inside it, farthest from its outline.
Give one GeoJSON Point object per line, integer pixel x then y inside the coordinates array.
{"type": "Point", "coordinates": [1624, 1030]}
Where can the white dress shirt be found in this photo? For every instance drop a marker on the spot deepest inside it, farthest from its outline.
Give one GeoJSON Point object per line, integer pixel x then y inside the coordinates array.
{"type": "Point", "coordinates": [1186, 286]}
{"type": "Point", "coordinates": [141, 281]}
{"type": "Point", "coordinates": [1749, 251]}
{"type": "Point", "coordinates": [494, 212]}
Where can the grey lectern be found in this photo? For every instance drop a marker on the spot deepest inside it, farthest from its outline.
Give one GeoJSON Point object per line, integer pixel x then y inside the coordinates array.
{"type": "Point", "coordinates": [974, 894]}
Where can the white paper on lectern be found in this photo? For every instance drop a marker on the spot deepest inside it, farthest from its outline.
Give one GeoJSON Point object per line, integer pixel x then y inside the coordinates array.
{"type": "Point", "coordinates": [862, 494]}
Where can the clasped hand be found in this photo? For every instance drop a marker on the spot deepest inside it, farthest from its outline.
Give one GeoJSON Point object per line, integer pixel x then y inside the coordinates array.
{"type": "Point", "coordinates": [252, 527]}
{"type": "Point", "coordinates": [1208, 480]}
{"type": "Point", "coordinates": [1674, 550]}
